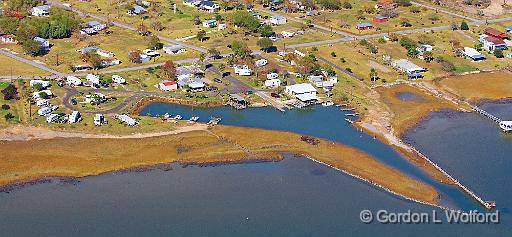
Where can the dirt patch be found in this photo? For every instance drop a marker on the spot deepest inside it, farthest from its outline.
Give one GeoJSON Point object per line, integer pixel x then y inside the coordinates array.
{"type": "Point", "coordinates": [378, 66]}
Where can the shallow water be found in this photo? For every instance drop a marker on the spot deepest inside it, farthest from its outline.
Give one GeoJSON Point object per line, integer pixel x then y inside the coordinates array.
{"type": "Point", "coordinates": [407, 96]}
{"type": "Point", "coordinates": [295, 197]}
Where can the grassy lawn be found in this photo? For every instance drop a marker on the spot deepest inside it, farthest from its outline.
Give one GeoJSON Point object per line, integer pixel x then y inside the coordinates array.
{"type": "Point", "coordinates": [346, 19]}
{"type": "Point", "coordinates": [13, 110]}
{"type": "Point", "coordinates": [474, 87]}
{"type": "Point", "coordinates": [9, 66]}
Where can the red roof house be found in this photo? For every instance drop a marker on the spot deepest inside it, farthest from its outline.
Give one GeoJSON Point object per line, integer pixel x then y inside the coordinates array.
{"type": "Point", "coordinates": [168, 85]}
{"type": "Point", "coordinates": [380, 19]}
{"type": "Point", "coordinates": [495, 33]}
{"type": "Point", "coordinates": [8, 39]}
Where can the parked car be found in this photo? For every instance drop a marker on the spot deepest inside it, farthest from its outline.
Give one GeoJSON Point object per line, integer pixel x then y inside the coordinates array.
{"type": "Point", "coordinates": [217, 80]}
{"type": "Point", "coordinates": [275, 95]}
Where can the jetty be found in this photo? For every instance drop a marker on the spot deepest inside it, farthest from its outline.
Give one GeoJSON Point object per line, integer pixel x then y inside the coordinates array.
{"type": "Point", "coordinates": [506, 126]}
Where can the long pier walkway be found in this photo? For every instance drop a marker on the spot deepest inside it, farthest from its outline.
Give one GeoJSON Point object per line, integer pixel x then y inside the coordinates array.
{"type": "Point", "coordinates": [487, 114]}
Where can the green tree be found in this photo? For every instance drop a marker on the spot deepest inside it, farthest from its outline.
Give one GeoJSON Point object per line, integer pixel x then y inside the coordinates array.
{"type": "Point", "coordinates": [240, 49]}
{"type": "Point", "coordinates": [201, 35]}
{"type": "Point", "coordinates": [266, 30]}
{"type": "Point", "coordinates": [168, 70]}
{"type": "Point", "coordinates": [265, 43]}
{"type": "Point", "coordinates": [9, 25]}
{"type": "Point", "coordinates": [32, 47]}
{"type": "Point", "coordinates": [374, 75]}
{"type": "Point", "coordinates": [464, 26]}
{"type": "Point", "coordinates": [246, 20]}
{"type": "Point", "coordinates": [153, 42]}
{"type": "Point", "coordinates": [330, 4]}
{"type": "Point", "coordinates": [498, 53]}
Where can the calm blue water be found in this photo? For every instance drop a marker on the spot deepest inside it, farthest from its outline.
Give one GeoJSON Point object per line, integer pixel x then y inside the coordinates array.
{"type": "Point", "coordinates": [407, 96]}
{"type": "Point", "coordinates": [295, 197]}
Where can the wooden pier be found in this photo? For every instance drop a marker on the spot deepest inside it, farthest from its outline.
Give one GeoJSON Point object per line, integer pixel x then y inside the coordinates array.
{"type": "Point", "coordinates": [488, 115]}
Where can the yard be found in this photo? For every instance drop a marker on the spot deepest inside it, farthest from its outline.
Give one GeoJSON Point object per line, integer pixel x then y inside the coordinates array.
{"type": "Point", "coordinates": [9, 66]}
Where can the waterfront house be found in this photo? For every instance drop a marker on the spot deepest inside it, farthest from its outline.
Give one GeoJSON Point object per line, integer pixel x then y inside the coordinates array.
{"type": "Point", "coordinates": [45, 44]}
{"type": "Point", "coordinates": [272, 83]}
{"type": "Point", "coordinates": [473, 54]}
{"type": "Point", "coordinates": [99, 119]}
{"type": "Point", "coordinates": [168, 85]}
{"type": "Point", "coordinates": [118, 79]}
{"type": "Point", "coordinates": [8, 39]}
{"type": "Point", "coordinates": [127, 120]}
{"type": "Point", "coordinates": [492, 43]}
{"type": "Point", "coordinates": [495, 33]}
{"type": "Point", "coordinates": [43, 10]}
{"type": "Point", "coordinates": [412, 70]}
{"type": "Point", "coordinates": [210, 23]}
{"type": "Point", "coordinates": [277, 20]}
{"type": "Point", "coordinates": [364, 26]}
{"type": "Point", "coordinates": [304, 92]}
{"type": "Point", "coordinates": [44, 84]}
{"type": "Point", "coordinates": [196, 86]}
{"type": "Point", "coordinates": [74, 117]}
{"type": "Point", "coordinates": [73, 81]}
{"type": "Point", "coordinates": [193, 84]}
{"type": "Point", "coordinates": [174, 49]}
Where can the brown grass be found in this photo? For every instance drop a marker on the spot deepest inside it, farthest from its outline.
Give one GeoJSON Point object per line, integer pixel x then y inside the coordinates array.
{"type": "Point", "coordinates": [474, 87]}
{"type": "Point", "coordinates": [407, 113]}
{"type": "Point", "coordinates": [83, 157]}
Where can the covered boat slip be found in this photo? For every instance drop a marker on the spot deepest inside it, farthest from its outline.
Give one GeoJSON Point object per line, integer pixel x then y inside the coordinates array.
{"type": "Point", "coordinates": [237, 101]}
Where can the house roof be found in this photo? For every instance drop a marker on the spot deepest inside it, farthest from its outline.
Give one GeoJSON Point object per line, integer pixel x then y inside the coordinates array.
{"type": "Point", "coordinates": [43, 8]}
{"type": "Point", "coordinates": [494, 40]}
{"type": "Point", "coordinates": [93, 23]}
{"type": "Point", "coordinates": [472, 53]}
{"type": "Point", "coordinates": [169, 83]}
{"type": "Point", "coordinates": [364, 25]}
{"type": "Point", "coordinates": [495, 33]}
{"type": "Point", "coordinates": [301, 88]}
{"type": "Point", "coordinates": [208, 4]}
{"type": "Point", "coordinates": [306, 97]}
{"type": "Point", "coordinates": [278, 17]}
{"type": "Point", "coordinates": [381, 17]}
{"type": "Point", "coordinates": [408, 65]}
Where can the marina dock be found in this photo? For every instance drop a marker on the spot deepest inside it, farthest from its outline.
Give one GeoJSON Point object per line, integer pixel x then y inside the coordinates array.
{"type": "Point", "coordinates": [506, 126]}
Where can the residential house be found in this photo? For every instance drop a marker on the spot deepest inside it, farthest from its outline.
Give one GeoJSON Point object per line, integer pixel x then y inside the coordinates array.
{"type": "Point", "coordinates": [74, 117]}
{"type": "Point", "coordinates": [261, 62]}
{"type": "Point", "coordinates": [168, 85]}
{"type": "Point", "coordinates": [380, 19]}
{"type": "Point", "coordinates": [277, 20]}
{"type": "Point", "coordinates": [193, 84]}
{"type": "Point", "coordinates": [8, 39]}
{"type": "Point", "coordinates": [210, 23]}
{"type": "Point", "coordinates": [209, 6]}
{"type": "Point", "coordinates": [39, 94]}
{"type": "Point", "coordinates": [118, 79]}
{"type": "Point", "coordinates": [424, 48]}
{"type": "Point", "coordinates": [43, 10]}
{"type": "Point", "coordinates": [110, 62]}
{"type": "Point", "coordinates": [92, 27]}
{"type": "Point", "coordinates": [315, 78]}
{"type": "Point", "coordinates": [127, 120]}
{"type": "Point", "coordinates": [73, 81]}
{"type": "Point", "coordinates": [273, 83]}
{"type": "Point", "coordinates": [174, 49]}
{"type": "Point", "coordinates": [473, 54]}
{"type": "Point", "coordinates": [304, 92]}
{"type": "Point", "coordinates": [105, 53]}
{"type": "Point", "coordinates": [151, 53]}
{"type": "Point", "coordinates": [272, 75]}
{"type": "Point", "coordinates": [45, 44]}
{"type": "Point", "coordinates": [492, 43]}
{"type": "Point", "coordinates": [42, 102]}
{"type": "Point", "coordinates": [192, 3]}
{"type": "Point", "coordinates": [495, 33]}
{"type": "Point", "coordinates": [287, 34]}
{"type": "Point", "coordinates": [44, 84]}
{"type": "Point", "coordinates": [89, 49]}
{"type": "Point", "coordinates": [412, 70]}
{"type": "Point", "coordinates": [136, 10]}
{"type": "Point", "coordinates": [93, 79]}
{"type": "Point", "coordinates": [196, 86]}
{"type": "Point", "coordinates": [364, 26]}
{"type": "Point", "coordinates": [242, 70]}
{"type": "Point", "coordinates": [99, 119]}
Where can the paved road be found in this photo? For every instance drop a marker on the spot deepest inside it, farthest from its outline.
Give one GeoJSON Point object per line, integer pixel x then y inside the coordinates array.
{"type": "Point", "coordinates": [27, 61]}
{"type": "Point", "coordinates": [125, 26]}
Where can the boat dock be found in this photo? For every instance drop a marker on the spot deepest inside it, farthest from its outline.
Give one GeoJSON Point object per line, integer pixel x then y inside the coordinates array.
{"type": "Point", "coordinates": [506, 126]}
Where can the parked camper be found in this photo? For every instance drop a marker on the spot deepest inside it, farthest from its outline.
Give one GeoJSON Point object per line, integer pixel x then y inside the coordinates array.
{"type": "Point", "coordinates": [44, 111]}
{"type": "Point", "coordinates": [118, 79]}
{"type": "Point", "coordinates": [74, 117]}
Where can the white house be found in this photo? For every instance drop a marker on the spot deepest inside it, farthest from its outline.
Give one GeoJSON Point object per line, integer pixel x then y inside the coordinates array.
{"type": "Point", "coordinates": [44, 84]}
{"type": "Point", "coordinates": [242, 70]}
{"type": "Point", "coordinates": [41, 10]}
{"type": "Point", "coordinates": [192, 3]}
{"type": "Point", "coordinates": [42, 102]}
{"type": "Point", "coordinates": [209, 6]}
{"type": "Point", "coordinates": [196, 86]}
{"type": "Point", "coordinates": [97, 26]}
{"type": "Point", "coordinates": [8, 39]}
{"type": "Point", "coordinates": [118, 79]}
{"type": "Point", "coordinates": [168, 85]}
{"type": "Point", "coordinates": [73, 81]}
{"type": "Point", "coordinates": [127, 120]}
{"type": "Point", "coordinates": [273, 83]}
{"type": "Point", "coordinates": [37, 95]}
{"type": "Point", "coordinates": [209, 23]}
{"type": "Point", "coordinates": [93, 79]}
{"type": "Point", "coordinates": [261, 62]}
{"type": "Point", "coordinates": [277, 20]}
{"type": "Point", "coordinates": [74, 117]}
{"type": "Point", "coordinates": [174, 49]}
{"type": "Point", "coordinates": [99, 119]}
{"type": "Point", "coordinates": [412, 70]}
{"type": "Point", "coordinates": [272, 75]}
{"type": "Point", "coordinates": [473, 54]}
{"type": "Point", "coordinates": [304, 92]}
{"type": "Point", "coordinates": [105, 53]}
{"type": "Point", "coordinates": [492, 43]}
{"type": "Point", "coordinates": [287, 34]}
{"type": "Point", "coordinates": [424, 48]}
{"type": "Point", "coordinates": [44, 111]}
{"type": "Point", "coordinates": [45, 44]}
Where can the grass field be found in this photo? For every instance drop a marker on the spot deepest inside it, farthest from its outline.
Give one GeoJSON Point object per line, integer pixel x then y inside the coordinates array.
{"type": "Point", "coordinates": [9, 66]}
{"type": "Point", "coordinates": [474, 87]}
{"type": "Point", "coordinates": [82, 157]}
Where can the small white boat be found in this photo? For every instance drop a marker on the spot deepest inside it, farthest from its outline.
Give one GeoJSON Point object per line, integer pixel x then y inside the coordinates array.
{"type": "Point", "coordinates": [506, 126]}
{"type": "Point", "coordinates": [167, 116]}
{"type": "Point", "coordinates": [349, 121]}
{"type": "Point", "coordinates": [327, 103]}
{"type": "Point", "coordinates": [177, 117]}
{"type": "Point", "coordinates": [193, 119]}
